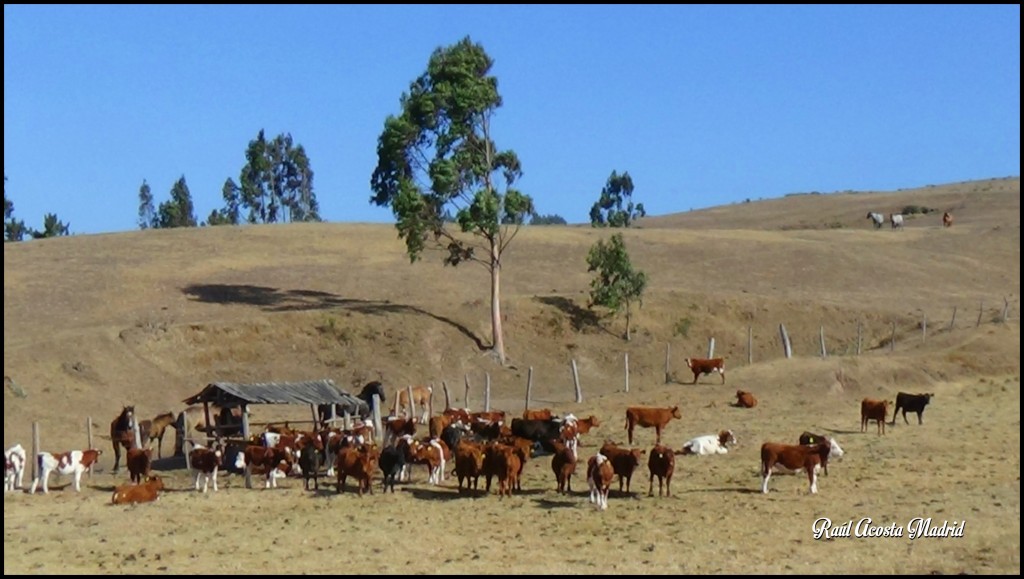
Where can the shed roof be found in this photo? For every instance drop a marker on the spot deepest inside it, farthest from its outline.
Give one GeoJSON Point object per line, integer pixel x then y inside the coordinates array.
{"type": "Point", "coordinates": [307, 392]}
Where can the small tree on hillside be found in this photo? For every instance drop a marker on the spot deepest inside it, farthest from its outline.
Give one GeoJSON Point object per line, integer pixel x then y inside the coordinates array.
{"type": "Point", "coordinates": [147, 215]}
{"type": "Point", "coordinates": [178, 211]}
{"type": "Point", "coordinates": [617, 284]}
{"type": "Point", "coordinates": [276, 184]}
{"type": "Point", "coordinates": [52, 227]}
{"type": "Point", "coordinates": [553, 219]}
{"type": "Point", "coordinates": [615, 207]}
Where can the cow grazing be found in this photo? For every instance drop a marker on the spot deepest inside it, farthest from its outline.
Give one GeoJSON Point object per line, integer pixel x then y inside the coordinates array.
{"type": "Point", "coordinates": [14, 469]}
{"type": "Point", "coordinates": [563, 464]}
{"type": "Point", "coordinates": [745, 399]}
{"type": "Point", "coordinates": [710, 444]}
{"type": "Point", "coordinates": [947, 219]}
{"type": "Point", "coordinates": [911, 403]}
{"type": "Point", "coordinates": [144, 492]}
{"type": "Point", "coordinates": [648, 417]}
{"type": "Point", "coordinates": [359, 463]}
{"type": "Point", "coordinates": [391, 463]}
{"type": "Point", "coordinates": [706, 366]}
{"type": "Point", "coordinates": [139, 462]}
{"type": "Point", "coordinates": [599, 478]}
{"type": "Point", "coordinates": [469, 464]}
{"type": "Point", "coordinates": [896, 220]}
{"type": "Point", "coordinates": [835, 451]}
{"type": "Point", "coordinates": [877, 219]}
{"type": "Point", "coordinates": [793, 457]}
{"type": "Point", "coordinates": [624, 461]}
{"type": "Point", "coordinates": [871, 409]}
{"type": "Point", "coordinates": [661, 463]}
{"type": "Point", "coordinates": [73, 462]}
{"type": "Point", "coordinates": [206, 462]}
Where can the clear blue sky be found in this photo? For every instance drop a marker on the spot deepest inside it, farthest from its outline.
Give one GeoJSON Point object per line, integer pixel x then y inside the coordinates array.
{"type": "Point", "coordinates": [702, 105]}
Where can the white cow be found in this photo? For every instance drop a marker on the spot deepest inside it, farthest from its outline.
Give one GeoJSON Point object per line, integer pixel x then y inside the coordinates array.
{"type": "Point", "coordinates": [710, 444]}
{"type": "Point", "coordinates": [896, 220]}
{"type": "Point", "coordinates": [14, 471]}
{"type": "Point", "coordinates": [73, 462]}
{"type": "Point", "coordinates": [877, 219]}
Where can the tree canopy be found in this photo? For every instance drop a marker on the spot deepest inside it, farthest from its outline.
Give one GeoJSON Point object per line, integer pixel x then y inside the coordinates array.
{"type": "Point", "coordinates": [615, 206]}
{"type": "Point", "coordinates": [276, 184]}
{"type": "Point", "coordinates": [617, 285]}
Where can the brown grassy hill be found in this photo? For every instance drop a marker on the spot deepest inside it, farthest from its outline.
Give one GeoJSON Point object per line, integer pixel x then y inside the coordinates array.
{"type": "Point", "coordinates": [150, 317]}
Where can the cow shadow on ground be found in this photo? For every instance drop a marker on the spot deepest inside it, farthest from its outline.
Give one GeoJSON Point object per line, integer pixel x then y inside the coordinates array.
{"type": "Point", "coordinates": [168, 463]}
{"type": "Point", "coordinates": [562, 503]}
{"type": "Point", "coordinates": [838, 431]}
{"type": "Point", "coordinates": [442, 494]}
{"type": "Point", "coordinates": [278, 300]}
{"type": "Point", "coordinates": [740, 490]}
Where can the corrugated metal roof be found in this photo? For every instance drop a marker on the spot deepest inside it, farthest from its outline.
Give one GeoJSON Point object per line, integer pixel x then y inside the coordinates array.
{"type": "Point", "coordinates": [308, 392]}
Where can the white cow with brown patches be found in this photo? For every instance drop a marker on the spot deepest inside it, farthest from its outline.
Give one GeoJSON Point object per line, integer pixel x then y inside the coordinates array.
{"type": "Point", "coordinates": [72, 463]}
{"type": "Point", "coordinates": [14, 470]}
{"type": "Point", "coordinates": [710, 444]}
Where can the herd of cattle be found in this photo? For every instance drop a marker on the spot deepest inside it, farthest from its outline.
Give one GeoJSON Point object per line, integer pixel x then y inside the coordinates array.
{"type": "Point", "coordinates": [896, 220]}
{"type": "Point", "coordinates": [480, 444]}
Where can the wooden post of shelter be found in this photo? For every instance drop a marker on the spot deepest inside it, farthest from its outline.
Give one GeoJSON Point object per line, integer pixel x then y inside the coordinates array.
{"type": "Point", "coordinates": [821, 339]}
{"type": "Point", "coordinates": [35, 451]}
{"type": "Point", "coordinates": [981, 308]}
{"type": "Point", "coordinates": [316, 417]}
{"type": "Point", "coordinates": [88, 436]}
{"type": "Point", "coordinates": [447, 396]}
{"type": "Point", "coordinates": [378, 428]}
{"type": "Point", "coordinates": [466, 397]}
{"type": "Point", "coordinates": [711, 347]}
{"type": "Point", "coordinates": [627, 370]}
{"type": "Point", "coordinates": [750, 345]}
{"type": "Point", "coordinates": [209, 422]}
{"type": "Point", "coordinates": [245, 436]}
{"type": "Point", "coordinates": [487, 391]}
{"type": "Point", "coordinates": [346, 420]}
{"type": "Point", "coordinates": [576, 381]}
{"type": "Point", "coordinates": [529, 388]}
{"type": "Point", "coordinates": [787, 347]}
{"type": "Point", "coordinates": [668, 354]}
{"type": "Point", "coordinates": [953, 319]}
{"type": "Point", "coordinates": [860, 336]}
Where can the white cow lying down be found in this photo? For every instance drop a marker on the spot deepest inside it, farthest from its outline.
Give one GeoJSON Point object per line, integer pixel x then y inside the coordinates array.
{"type": "Point", "coordinates": [710, 444]}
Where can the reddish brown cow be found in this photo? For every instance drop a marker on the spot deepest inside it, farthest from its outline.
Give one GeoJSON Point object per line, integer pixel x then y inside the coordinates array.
{"type": "Point", "coordinates": [139, 462]}
{"type": "Point", "coordinates": [563, 464]}
{"type": "Point", "coordinates": [793, 457]}
{"type": "Point", "coordinates": [501, 461]}
{"type": "Point", "coordinates": [358, 462]}
{"type": "Point", "coordinates": [397, 427]}
{"type": "Point", "coordinates": [469, 464]}
{"type": "Point", "coordinates": [745, 399]}
{"type": "Point", "coordinates": [599, 477]}
{"type": "Point", "coordinates": [648, 417]}
{"type": "Point", "coordinates": [624, 461]}
{"type": "Point", "coordinates": [947, 219]}
{"type": "Point", "coordinates": [583, 425]}
{"type": "Point", "coordinates": [706, 366]}
{"type": "Point", "coordinates": [538, 414]}
{"type": "Point", "coordinates": [871, 409]}
{"type": "Point", "coordinates": [661, 463]}
{"type": "Point", "coordinates": [144, 492]}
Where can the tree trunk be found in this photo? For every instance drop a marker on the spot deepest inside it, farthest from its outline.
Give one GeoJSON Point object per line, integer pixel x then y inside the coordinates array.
{"type": "Point", "coordinates": [498, 340]}
{"type": "Point", "coordinates": [627, 323]}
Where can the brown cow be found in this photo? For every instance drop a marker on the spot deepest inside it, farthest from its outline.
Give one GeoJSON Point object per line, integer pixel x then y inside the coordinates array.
{"type": "Point", "coordinates": [947, 219]}
{"type": "Point", "coordinates": [599, 477]}
{"type": "Point", "coordinates": [469, 464]}
{"type": "Point", "coordinates": [648, 417]}
{"type": "Point", "coordinates": [145, 492]}
{"type": "Point", "coordinates": [539, 414]}
{"type": "Point", "coordinates": [661, 463]}
{"type": "Point", "coordinates": [624, 461]}
{"type": "Point", "coordinates": [563, 464]}
{"type": "Point", "coordinates": [501, 461]}
{"type": "Point", "coordinates": [706, 366]}
{"type": "Point", "coordinates": [359, 462]}
{"type": "Point", "coordinates": [871, 409]}
{"type": "Point", "coordinates": [793, 457]}
{"type": "Point", "coordinates": [139, 462]}
{"type": "Point", "coordinates": [745, 399]}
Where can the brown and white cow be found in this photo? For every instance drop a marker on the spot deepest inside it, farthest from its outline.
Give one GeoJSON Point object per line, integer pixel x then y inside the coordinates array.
{"type": "Point", "coordinates": [706, 366]}
{"type": "Point", "coordinates": [139, 463]}
{"type": "Point", "coordinates": [144, 492]}
{"type": "Point", "coordinates": [708, 444]}
{"type": "Point", "coordinates": [72, 462]}
{"type": "Point", "coordinates": [793, 457]}
{"type": "Point", "coordinates": [599, 478]}
{"type": "Point", "coordinates": [274, 462]}
{"type": "Point", "coordinates": [206, 462]}
{"type": "Point", "coordinates": [661, 463]}
{"type": "Point", "coordinates": [947, 219]}
{"type": "Point", "coordinates": [649, 417]}
{"type": "Point", "coordinates": [835, 451]}
{"type": "Point", "coordinates": [745, 399]}
{"type": "Point", "coordinates": [872, 409]}
{"type": "Point", "coordinates": [14, 469]}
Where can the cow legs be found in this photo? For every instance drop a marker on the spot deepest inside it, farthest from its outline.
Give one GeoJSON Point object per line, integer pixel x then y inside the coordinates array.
{"type": "Point", "coordinates": [657, 430]}
{"type": "Point", "coordinates": [919, 418]}
{"type": "Point", "coordinates": [766, 473]}
{"type": "Point", "coordinates": [650, 488]}
{"type": "Point", "coordinates": [722, 372]}
{"type": "Point", "coordinates": [905, 421]}
{"type": "Point", "coordinates": [812, 477]}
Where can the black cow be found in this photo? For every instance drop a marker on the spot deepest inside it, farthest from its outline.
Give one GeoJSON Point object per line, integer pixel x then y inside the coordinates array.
{"type": "Point", "coordinates": [310, 460]}
{"type": "Point", "coordinates": [911, 403]}
{"type": "Point", "coordinates": [391, 462]}
{"type": "Point", "coordinates": [362, 408]}
{"type": "Point", "coordinates": [542, 431]}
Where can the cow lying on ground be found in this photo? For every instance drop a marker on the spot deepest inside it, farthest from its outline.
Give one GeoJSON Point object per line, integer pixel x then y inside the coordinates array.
{"type": "Point", "coordinates": [745, 399]}
{"type": "Point", "coordinates": [648, 417]}
{"type": "Point", "coordinates": [144, 492]}
{"type": "Point", "coordinates": [710, 444]}
{"type": "Point", "coordinates": [871, 409]}
{"type": "Point", "coordinates": [706, 366]}
{"type": "Point", "coordinates": [835, 451]}
{"type": "Point", "coordinates": [793, 457]}
{"type": "Point", "coordinates": [73, 462]}
{"type": "Point", "coordinates": [911, 403]}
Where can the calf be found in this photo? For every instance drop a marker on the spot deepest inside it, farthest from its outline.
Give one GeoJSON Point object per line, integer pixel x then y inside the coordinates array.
{"type": "Point", "coordinates": [710, 444]}
{"type": "Point", "coordinates": [792, 457]}
{"type": "Point", "coordinates": [661, 463]}
{"type": "Point", "coordinates": [706, 366]}
{"type": "Point", "coordinates": [563, 464]}
{"type": "Point", "coordinates": [205, 463]}
{"type": "Point", "coordinates": [144, 492]}
{"type": "Point", "coordinates": [139, 462]}
{"type": "Point", "coordinates": [911, 403]}
{"type": "Point", "coordinates": [599, 478]}
{"type": "Point", "coordinates": [392, 461]}
{"type": "Point", "coordinates": [835, 451]}
{"type": "Point", "coordinates": [14, 469]}
{"type": "Point", "coordinates": [624, 461]}
{"type": "Point", "coordinates": [650, 417]}
{"type": "Point", "coordinates": [501, 461]}
{"type": "Point", "coordinates": [73, 462]}
{"type": "Point", "coordinates": [310, 461]}
{"type": "Point", "coordinates": [359, 463]}
{"type": "Point", "coordinates": [745, 399]}
{"type": "Point", "coordinates": [469, 464]}
{"type": "Point", "coordinates": [871, 409]}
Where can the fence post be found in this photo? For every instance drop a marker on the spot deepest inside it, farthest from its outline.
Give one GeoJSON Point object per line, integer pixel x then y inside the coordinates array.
{"type": "Point", "coordinates": [411, 408]}
{"type": "Point", "coordinates": [668, 353]}
{"type": "Point", "coordinates": [35, 451]}
{"type": "Point", "coordinates": [333, 417]}
{"type": "Point", "coordinates": [821, 338]}
{"type": "Point", "coordinates": [860, 336]}
{"type": "Point", "coordinates": [346, 423]}
{"type": "Point", "coordinates": [187, 450]}
{"type": "Point", "coordinates": [750, 345]}
{"type": "Point", "coordinates": [953, 319]}
{"type": "Point", "coordinates": [787, 348]}
{"type": "Point", "coordinates": [447, 397]}
{"type": "Point", "coordinates": [1006, 309]}
{"type": "Point", "coordinates": [981, 306]}
{"type": "Point", "coordinates": [487, 391]}
{"type": "Point", "coordinates": [378, 428]}
{"type": "Point", "coordinates": [627, 371]}
{"type": "Point", "coordinates": [88, 435]}
{"type": "Point", "coordinates": [529, 388]}
{"type": "Point", "coordinates": [466, 398]}
{"type": "Point", "coordinates": [245, 436]}
{"type": "Point", "coordinates": [924, 327]}
{"type": "Point", "coordinates": [576, 381]}
{"type": "Point", "coordinates": [711, 347]}
{"type": "Point", "coordinates": [892, 340]}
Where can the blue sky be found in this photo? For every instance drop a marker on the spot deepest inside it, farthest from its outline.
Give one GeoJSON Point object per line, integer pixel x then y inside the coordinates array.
{"type": "Point", "coordinates": [702, 105]}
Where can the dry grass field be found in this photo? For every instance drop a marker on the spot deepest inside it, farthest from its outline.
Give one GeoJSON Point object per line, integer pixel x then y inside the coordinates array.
{"type": "Point", "coordinates": [150, 317]}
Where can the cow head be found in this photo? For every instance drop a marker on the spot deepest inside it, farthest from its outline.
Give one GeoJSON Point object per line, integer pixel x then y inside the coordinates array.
{"type": "Point", "coordinates": [727, 438]}
{"type": "Point", "coordinates": [835, 451]}
{"type": "Point", "coordinates": [676, 413]}
{"type": "Point", "coordinates": [156, 482]}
